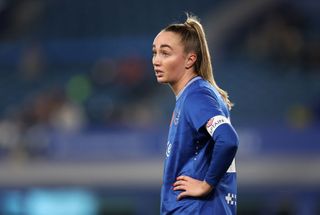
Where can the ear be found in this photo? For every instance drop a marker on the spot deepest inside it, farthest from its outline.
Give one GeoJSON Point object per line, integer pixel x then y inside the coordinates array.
{"type": "Point", "coordinates": [190, 60]}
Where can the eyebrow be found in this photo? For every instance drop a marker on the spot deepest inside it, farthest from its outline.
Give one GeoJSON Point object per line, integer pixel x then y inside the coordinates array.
{"type": "Point", "coordinates": [163, 46]}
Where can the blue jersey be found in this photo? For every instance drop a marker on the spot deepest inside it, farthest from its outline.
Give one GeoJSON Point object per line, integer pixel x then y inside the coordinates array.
{"type": "Point", "coordinates": [189, 152]}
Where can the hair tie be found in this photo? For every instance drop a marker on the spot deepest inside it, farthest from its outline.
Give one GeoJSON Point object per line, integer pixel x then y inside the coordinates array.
{"type": "Point", "coordinates": [187, 24]}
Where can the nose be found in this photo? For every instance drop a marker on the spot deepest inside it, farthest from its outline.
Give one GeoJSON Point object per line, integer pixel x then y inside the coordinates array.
{"type": "Point", "coordinates": [155, 60]}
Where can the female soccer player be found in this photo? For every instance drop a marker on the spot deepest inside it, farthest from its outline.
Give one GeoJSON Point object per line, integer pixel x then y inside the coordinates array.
{"type": "Point", "coordinates": [199, 171]}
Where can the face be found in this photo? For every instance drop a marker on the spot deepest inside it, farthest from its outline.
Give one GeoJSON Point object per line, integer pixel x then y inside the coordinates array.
{"type": "Point", "coordinates": [169, 58]}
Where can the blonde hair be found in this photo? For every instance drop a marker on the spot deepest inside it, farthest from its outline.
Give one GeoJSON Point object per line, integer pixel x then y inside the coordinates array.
{"type": "Point", "coordinates": [194, 39]}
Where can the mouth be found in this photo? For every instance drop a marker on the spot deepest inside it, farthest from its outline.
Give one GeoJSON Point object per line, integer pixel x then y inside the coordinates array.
{"type": "Point", "coordinates": [158, 73]}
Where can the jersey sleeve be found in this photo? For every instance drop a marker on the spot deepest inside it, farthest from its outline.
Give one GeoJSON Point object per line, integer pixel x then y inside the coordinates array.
{"type": "Point", "coordinates": [203, 110]}
{"type": "Point", "coordinates": [225, 148]}
{"type": "Point", "coordinates": [201, 106]}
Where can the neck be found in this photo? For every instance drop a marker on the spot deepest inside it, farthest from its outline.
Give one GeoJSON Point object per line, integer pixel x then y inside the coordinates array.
{"type": "Point", "coordinates": [179, 85]}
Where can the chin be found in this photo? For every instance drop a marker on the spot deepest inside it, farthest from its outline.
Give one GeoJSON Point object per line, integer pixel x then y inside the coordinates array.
{"type": "Point", "coordinates": [162, 81]}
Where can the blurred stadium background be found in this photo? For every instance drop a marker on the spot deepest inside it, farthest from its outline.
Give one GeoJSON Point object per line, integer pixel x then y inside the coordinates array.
{"type": "Point", "coordinates": [83, 123]}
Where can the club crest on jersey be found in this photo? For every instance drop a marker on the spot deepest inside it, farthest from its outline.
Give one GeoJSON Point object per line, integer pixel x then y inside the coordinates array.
{"type": "Point", "coordinates": [215, 122]}
{"type": "Point", "coordinates": [168, 151]}
{"type": "Point", "coordinates": [176, 118]}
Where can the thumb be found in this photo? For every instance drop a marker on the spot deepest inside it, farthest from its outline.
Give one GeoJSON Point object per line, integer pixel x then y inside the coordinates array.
{"type": "Point", "coordinates": [182, 195]}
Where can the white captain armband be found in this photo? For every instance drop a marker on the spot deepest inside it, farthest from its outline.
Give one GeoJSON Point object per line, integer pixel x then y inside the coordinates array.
{"type": "Point", "coordinates": [215, 122]}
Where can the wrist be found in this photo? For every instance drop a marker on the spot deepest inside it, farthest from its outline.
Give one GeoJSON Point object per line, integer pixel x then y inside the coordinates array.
{"type": "Point", "coordinates": [206, 187]}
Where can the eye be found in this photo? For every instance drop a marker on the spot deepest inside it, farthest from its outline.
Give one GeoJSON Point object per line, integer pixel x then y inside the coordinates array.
{"type": "Point", "coordinates": [165, 53]}
{"type": "Point", "coordinates": [154, 52]}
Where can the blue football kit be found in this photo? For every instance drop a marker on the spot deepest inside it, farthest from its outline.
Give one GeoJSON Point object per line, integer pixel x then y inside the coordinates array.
{"type": "Point", "coordinates": [201, 144]}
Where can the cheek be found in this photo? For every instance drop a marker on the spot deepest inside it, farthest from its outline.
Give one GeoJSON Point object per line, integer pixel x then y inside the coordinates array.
{"type": "Point", "coordinates": [174, 66]}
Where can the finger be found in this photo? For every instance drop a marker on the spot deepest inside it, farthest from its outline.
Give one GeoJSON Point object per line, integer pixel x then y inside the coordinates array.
{"type": "Point", "coordinates": [182, 195]}
{"type": "Point", "coordinates": [183, 178]}
{"type": "Point", "coordinates": [181, 187]}
{"type": "Point", "coordinates": [180, 182]}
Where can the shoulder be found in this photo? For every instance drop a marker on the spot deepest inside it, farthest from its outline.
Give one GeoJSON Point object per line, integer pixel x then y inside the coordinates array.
{"type": "Point", "coordinates": [202, 96]}
{"type": "Point", "coordinates": [200, 90]}
{"type": "Point", "coordinates": [200, 104]}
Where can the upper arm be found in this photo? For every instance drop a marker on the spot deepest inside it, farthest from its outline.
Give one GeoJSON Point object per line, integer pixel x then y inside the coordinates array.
{"type": "Point", "coordinates": [215, 122]}
{"type": "Point", "coordinates": [200, 107]}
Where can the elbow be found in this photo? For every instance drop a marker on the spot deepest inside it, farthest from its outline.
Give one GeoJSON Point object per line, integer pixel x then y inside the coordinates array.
{"type": "Point", "coordinates": [234, 147]}
{"type": "Point", "coordinates": [228, 139]}
{"type": "Point", "coordinates": [233, 143]}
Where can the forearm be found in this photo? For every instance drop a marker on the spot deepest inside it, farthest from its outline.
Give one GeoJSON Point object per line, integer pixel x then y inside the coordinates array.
{"type": "Point", "coordinates": [224, 151]}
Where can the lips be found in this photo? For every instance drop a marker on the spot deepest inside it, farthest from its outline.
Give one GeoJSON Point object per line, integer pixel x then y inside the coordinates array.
{"type": "Point", "coordinates": [158, 72]}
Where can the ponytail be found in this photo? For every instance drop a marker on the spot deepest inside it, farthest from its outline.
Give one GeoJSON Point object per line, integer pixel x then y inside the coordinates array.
{"type": "Point", "coordinates": [194, 39]}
